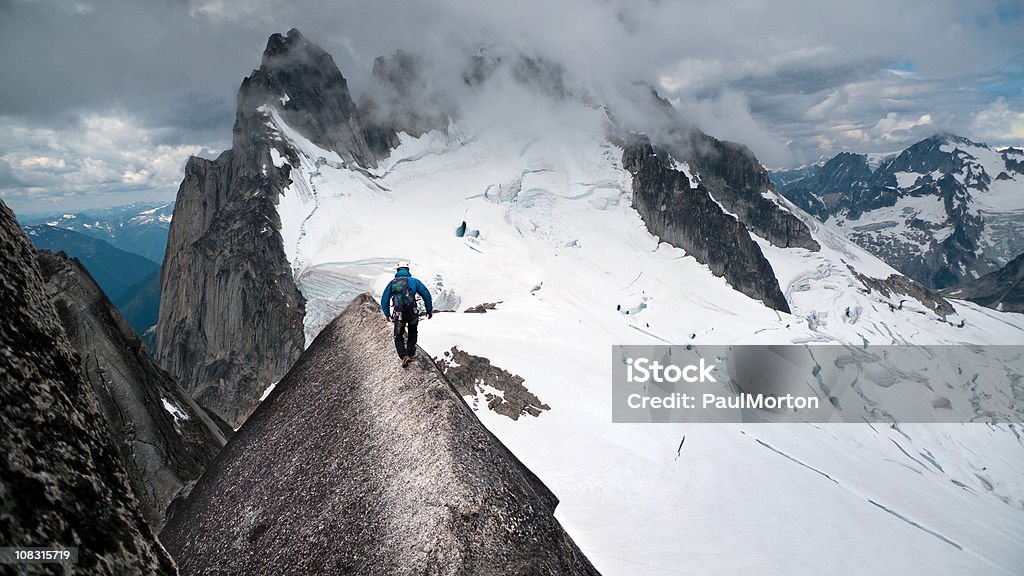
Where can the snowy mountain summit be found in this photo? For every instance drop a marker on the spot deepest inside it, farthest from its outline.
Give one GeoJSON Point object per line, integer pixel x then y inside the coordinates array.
{"type": "Point", "coordinates": [944, 211]}
{"type": "Point", "coordinates": [580, 220]}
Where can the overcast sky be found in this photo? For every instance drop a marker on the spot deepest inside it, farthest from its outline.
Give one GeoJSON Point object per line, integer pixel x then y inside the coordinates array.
{"type": "Point", "coordinates": [102, 101]}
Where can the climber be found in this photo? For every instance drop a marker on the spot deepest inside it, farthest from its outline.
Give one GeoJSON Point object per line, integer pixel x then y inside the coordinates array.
{"type": "Point", "coordinates": [399, 305]}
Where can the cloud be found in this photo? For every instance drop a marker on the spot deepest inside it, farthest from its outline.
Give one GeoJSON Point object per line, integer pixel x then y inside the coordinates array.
{"type": "Point", "coordinates": [42, 163]}
{"type": "Point", "coordinates": [728, 117]}
{"type": "Point", "coordinates": [792, 80]}
{"type": "Point", "coordinates": [999, 123]}
{"type": "Point", "coordinates": [95, 160]}
{"type": "Point", "coordinates": [894, 128]}
{"type": "Point", "coordinates": [7, 178]}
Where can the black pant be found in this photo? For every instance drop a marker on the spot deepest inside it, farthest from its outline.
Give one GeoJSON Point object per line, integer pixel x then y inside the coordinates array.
{"type": "Point", "coordinates": [403, 347]}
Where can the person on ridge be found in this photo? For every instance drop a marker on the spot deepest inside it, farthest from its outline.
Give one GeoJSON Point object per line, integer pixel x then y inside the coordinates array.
{"type": "Point", "coordinates": [399, 306]}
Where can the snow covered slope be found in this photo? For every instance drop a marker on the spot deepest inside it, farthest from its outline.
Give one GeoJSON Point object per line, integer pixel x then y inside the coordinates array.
{"type": "Point", "coordinates": [549, 235]}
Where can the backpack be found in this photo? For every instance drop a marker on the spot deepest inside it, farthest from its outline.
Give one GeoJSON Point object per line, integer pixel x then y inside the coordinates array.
{"type": "Point", "coordinates": [402, 296]}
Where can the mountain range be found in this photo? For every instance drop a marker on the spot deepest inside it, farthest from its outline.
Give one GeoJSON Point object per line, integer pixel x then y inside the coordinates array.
{"type": "Point", "coordinates": [115, 270]}
{"type": "Point", "coordinates": [139, 228]}
{"type": "Point", "coordinates": [945, 211]}
{"type": "Point", "coordinates": [121, 247]}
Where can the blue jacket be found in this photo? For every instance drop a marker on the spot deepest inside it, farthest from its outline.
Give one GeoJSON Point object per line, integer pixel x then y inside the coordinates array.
{"type": "Point", "coordinates": [415, 285]}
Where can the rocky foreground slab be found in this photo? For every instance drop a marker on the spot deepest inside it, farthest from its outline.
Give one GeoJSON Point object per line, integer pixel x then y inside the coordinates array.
{"type": "Point", "coordinates": [354, 465]}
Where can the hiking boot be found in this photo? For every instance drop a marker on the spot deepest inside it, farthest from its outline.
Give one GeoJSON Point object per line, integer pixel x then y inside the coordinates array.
{"type": "Point", "coordinates": [406, 361]}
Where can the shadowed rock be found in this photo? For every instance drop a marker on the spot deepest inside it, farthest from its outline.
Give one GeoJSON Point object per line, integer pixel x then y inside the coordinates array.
{"type": "Point", "coordinates": [164, 438]}
{"type": "Point", "coordinates": [1001, 290]}
{"type": "Point", "coordinates": [354, 465]}
{"type": "Point", "coordinates": [689, 218]}
{"type": "Point", "coordinates": [61, 481]}
{"type": "Point", "coordinates": [230, 314]}
{"type": "Point", "coordinates": [735, 178]}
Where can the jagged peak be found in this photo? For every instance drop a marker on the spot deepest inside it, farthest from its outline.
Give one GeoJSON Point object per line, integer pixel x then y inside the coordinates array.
{"type": "Point", "coordinates": [289, 44]}
{"type": "Point", "coordinates": [302, 81]}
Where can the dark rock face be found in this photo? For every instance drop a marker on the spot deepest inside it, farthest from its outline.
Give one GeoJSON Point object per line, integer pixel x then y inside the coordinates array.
{"type": "Point", "coordinates": [728, 171]}
{"type": "Point", "coordinates": [938, 253]}
{"type": "Point", "coordinates": [735, 178]}
{"type": "Point", "coordinates": [164, 439]}
{"type": "Point", "coordinates": [61, 481]}
{"type": "Point", "coordinates": [469, 374]}
{"type": "Point", "coordinates": [689, 218]}
{"type": "Point", "coordinates": [1001, 290]}
{"type": "Point", "coordinates": [354, 465]}
{"type": "Point", "coordinates": [302, 81]}
{"type": "Point", "coordinates": [230, 314]}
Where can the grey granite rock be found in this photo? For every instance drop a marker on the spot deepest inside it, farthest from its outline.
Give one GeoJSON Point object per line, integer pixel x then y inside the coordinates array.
{"type": "Point", "coordinates": [691, 219]}
{"type": "Point", "coordinates": [354, 465]}
{"type": "Point", "coordinates": [61, 480]}
{"type": "Point", "coordinates": [164, 438]}
{"type": "Point", "coordinates": [230, 316]}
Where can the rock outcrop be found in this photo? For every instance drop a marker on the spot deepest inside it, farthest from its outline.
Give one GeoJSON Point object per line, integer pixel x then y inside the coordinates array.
{"type": "Point", "coordinates": [164, 438]}
{"type": "Point", "coordinates": [231, 317]}
{"type": "Point", "coordinates": [354, 465]}
{"type": "Point", "coordinates": [688, 217]}
{"type": "Point", "coordinates": [899, 284]}
{"type": "Point", "coordinates": [1002, 290]}
{"type": "Point", "coordinates": [734, 177]}
{"type": "Point", "coordinates": [475, 376]}
{"type": "Point", "coordinates": [61, 480]}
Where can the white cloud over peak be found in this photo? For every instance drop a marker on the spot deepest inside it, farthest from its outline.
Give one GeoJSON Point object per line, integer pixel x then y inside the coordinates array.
{"type": "Point", "coordinates": [792, 80]}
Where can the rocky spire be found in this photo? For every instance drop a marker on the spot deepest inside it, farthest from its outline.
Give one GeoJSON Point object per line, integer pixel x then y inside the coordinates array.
{"type": "Point", "coordinates": [230, 314]}
{"type": "Point", "coordinates": [301, 81]}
